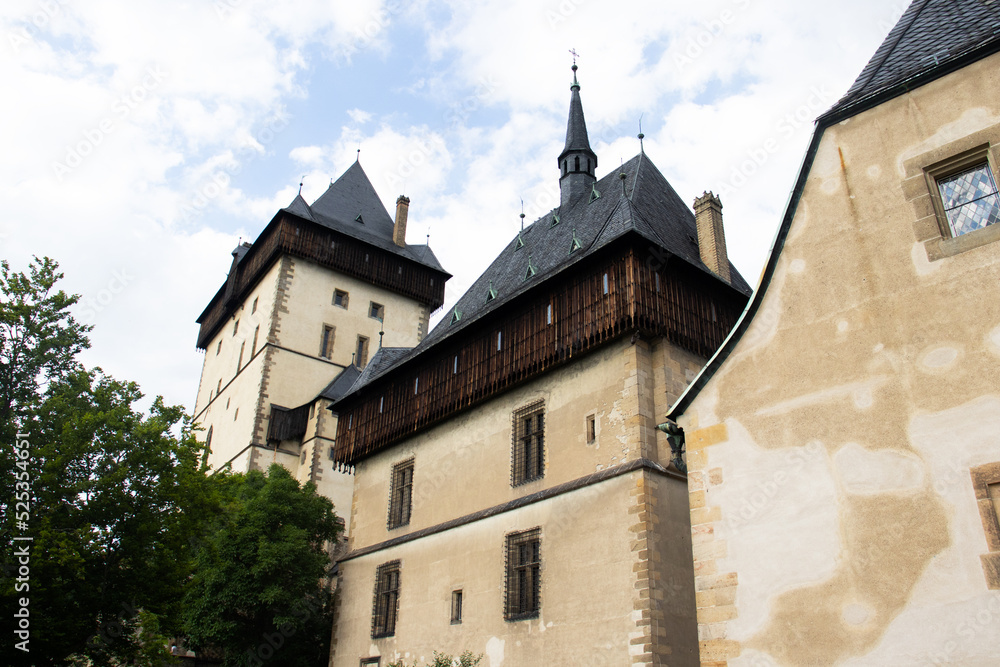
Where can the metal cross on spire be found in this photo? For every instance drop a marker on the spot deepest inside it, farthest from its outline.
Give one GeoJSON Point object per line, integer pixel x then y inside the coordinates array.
{"type": "Point", "coordinates": [574, 54]}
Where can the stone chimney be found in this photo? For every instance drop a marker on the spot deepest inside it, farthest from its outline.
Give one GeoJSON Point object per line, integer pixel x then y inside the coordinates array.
{"type": "Point", "coordinates": [711, 236]}
{"type": "Point", "coordinates": [399, 229]}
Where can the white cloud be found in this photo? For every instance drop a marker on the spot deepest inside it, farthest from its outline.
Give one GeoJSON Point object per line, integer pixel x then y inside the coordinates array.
{"type": "Point", "coordinates": [476, 127]}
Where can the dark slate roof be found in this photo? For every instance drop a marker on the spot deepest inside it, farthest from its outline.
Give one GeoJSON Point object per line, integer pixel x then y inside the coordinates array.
{"type": "Point", "coordinates": [649, 207]}
{"type": "Point", "coordinates": [341, 384]}
{"type": "Point", "coordinates": [930, 36]}
{"type": "Point", "coordinates": [352, 196]}
{"type": "Point", "coordinates": [576, 126]}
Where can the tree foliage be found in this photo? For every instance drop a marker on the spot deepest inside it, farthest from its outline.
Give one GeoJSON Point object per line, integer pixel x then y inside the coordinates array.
{"type": "Point", "coordinates": [131, 540]}
{"type": "Point", "coordinates": [467, 659]}
{"type": "Point", "coordinates": [258, 591]}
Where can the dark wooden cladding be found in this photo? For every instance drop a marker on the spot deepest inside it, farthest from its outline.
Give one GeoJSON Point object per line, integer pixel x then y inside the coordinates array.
{"type": "Point", "coordinates": [287, 424]}
{"type": "Point", "coordinates": [330, 249]}
{"type": "Point", "coordinates": [678, 305]}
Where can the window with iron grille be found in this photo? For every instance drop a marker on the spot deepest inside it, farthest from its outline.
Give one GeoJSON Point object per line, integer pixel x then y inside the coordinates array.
{"type": "Point", "coordinates": [386, 602]}
{"type": "Point", "coordinates": [400, 494]}
{"type": "Point", "coordinates": [528, 447]}
{"type": "Point", "coordinates": [523, 583]}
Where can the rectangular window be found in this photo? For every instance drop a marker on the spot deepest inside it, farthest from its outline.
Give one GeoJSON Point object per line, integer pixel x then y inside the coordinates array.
{"type": "Point", "coordinates": [369, 662]}
{"type": "Point", "coordinates": [361, 354]}
{"type": "Point", "coordinates": [253, 309]}
{"type": "Point", "coordinates": [340, 298]}
{"type": "Point", "coordinates": [523, 583]}
{"type": "Point", "coordinates": [416, 385]}
{"type": "Point", "coordinates": [218, 348]}
{"type": "Point", "coordinates": [656, 278]}
{"type": "Point", "coordinates": [386, 602]}
{"type": "Point", "coordinates": [239, 363]}
{"type": "Point", "coordinates": [326, 342]}
{"type": "Point", "coordinates": [548, 314]}
{"type": "Point", "coordinates": [969, 199]}
{"type": "Point", "coordinates": [605, 283]}
{"type": "Point", "coordinates": [454, 366]}
{"type": "Point", "coordinates": [236, 327]}
{"type": "Point", "coordinates": [400, 494]}
{"type": "Point", "coordinates": [528, 432]}
{"type": "Point", "coordinates": [376, 310]}
{"type": "Point", "coordinates": [456, 607]}
{"type": "Point", "coordinates": [499, 340]}
{"type": "Point", "coordinates": [253, 348]}
{"type": "Point", "coordinates": [591, 429]}
{"type": "Point", "coordinates": [218, 389]}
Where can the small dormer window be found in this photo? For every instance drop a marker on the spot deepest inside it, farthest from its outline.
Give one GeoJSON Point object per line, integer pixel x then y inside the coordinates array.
{"type": "Point", "coordinates": [531, 269]}
{"type": "Point", "coordinates": [359, 219]}
{"type": "Point", "coordinates": [555, 219]}
{"type": "Point", "coordinates": [594, 194]}
{"type": "Point", "coordinates": [492, 293]}
{"type": "Point", "coordinates": [575, 245]}
{"type": "Point", "coordinates": [519, 243]}
{"type": "Point", "coordinates": [456, 315]}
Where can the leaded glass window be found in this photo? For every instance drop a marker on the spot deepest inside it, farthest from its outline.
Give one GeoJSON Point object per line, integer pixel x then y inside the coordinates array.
{"type": "Point", "coordinates": [970, 199]}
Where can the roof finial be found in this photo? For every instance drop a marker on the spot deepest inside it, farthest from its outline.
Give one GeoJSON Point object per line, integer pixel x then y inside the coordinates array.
{"type": "Point", "coordinates": [641, 135]}
{"type": "Point", "coordinates": [522, 214]}
{"type": "Point", "coordinates": [428, 239]}
{"type": "Point", "coordinates": [576, 84]}
{"type": "Point", "coordinates": [622, 177]}
{"type": "Point", "coordinates": [301, 182]}
{"type": "Point", "coordinates": [358, 159]}
{"type": "Point", "coordinates": [381, 332]}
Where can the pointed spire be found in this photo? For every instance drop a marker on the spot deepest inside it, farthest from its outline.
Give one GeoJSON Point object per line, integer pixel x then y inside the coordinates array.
{"type": "Point", "coordinates": [577, 162]}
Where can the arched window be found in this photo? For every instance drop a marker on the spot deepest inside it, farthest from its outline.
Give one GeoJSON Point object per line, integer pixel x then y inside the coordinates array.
{"type": "Point", "coordinates": [576, 163]}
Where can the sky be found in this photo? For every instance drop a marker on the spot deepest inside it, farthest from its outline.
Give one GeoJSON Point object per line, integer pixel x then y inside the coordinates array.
{"type": "Point", "coordinates": [142, 140]}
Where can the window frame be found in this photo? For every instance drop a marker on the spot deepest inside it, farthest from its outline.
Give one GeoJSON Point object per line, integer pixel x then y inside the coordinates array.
{"type": "Point", "coordinates": [376, 311]}
{"type": "Point", "coordinates": [456, 606]}
{"type": "Point", "coordinates": [326, 341]}
{"type": "Point", "coordinates": [400, 495]}
{"type": "Point", "coordinates": [385, 602]}
{"type": "Point", "coordinates": [527, 446]}
{"type": "Point", "coordinates": [985, 483]}
{"type": "Point", "coordinates": [930, 224]}
{"type": "Point", "coordinates": [521, 574]}
{"type": "Point", "coordinates": [952, 166]}
{"type": "Point", "coordinates": [361, 352]}
{"type": "Point", "coordinates": [344, 298]}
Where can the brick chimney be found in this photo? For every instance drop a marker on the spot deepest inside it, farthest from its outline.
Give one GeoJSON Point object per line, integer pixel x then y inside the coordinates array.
{"type": "Point", "coordinates": [399, 229]}
{"type": "Point", "coordinates": [711, 236]}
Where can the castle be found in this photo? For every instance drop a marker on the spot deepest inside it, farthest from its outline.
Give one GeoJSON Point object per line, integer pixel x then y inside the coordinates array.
{"type": "Point", "coordinates": [515, 485]}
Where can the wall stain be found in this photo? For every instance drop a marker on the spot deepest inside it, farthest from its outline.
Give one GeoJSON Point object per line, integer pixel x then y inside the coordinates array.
{"type": "Point", "coordinates": [860, 272]}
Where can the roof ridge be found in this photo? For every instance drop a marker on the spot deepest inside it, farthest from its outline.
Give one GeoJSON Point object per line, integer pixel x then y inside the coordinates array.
{"type": "Point", "coordinates": [888, 50]}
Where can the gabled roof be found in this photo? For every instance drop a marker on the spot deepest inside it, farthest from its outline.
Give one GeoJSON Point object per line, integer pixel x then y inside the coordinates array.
{"type": "Point", "coordinates": [930, 36]}
{"type": "Point", "coordinates": [352, 207]}
{"type": "Point", "coordinates": [931, 39]}
{"type": "Point", "coordinates": [647, 206]}
{"type": "Point", "coordinates": [341, 384]}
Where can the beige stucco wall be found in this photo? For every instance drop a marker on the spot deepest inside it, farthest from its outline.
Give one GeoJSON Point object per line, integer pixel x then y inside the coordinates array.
{"type": "Point", "coordinates": [617, 567]}
{"type": "Point", "coordinates": [616, 384]}
{"type": "Point", "coordinates": [294, 301]}
{"type": "Point", "coordinates": [834, 519]}
{"type": "Point", "coordinates": [587, 593]}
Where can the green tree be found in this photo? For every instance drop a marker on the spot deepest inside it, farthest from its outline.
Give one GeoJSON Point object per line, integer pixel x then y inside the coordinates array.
{"type": "Point", "coordinates": [110, 495]}
{"type": "Point", "coordinates": [39, 341]}
{"type": "Point", "coordinates": [116, 497]}
{"type": "Point", "coordinates": [259, 593]}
